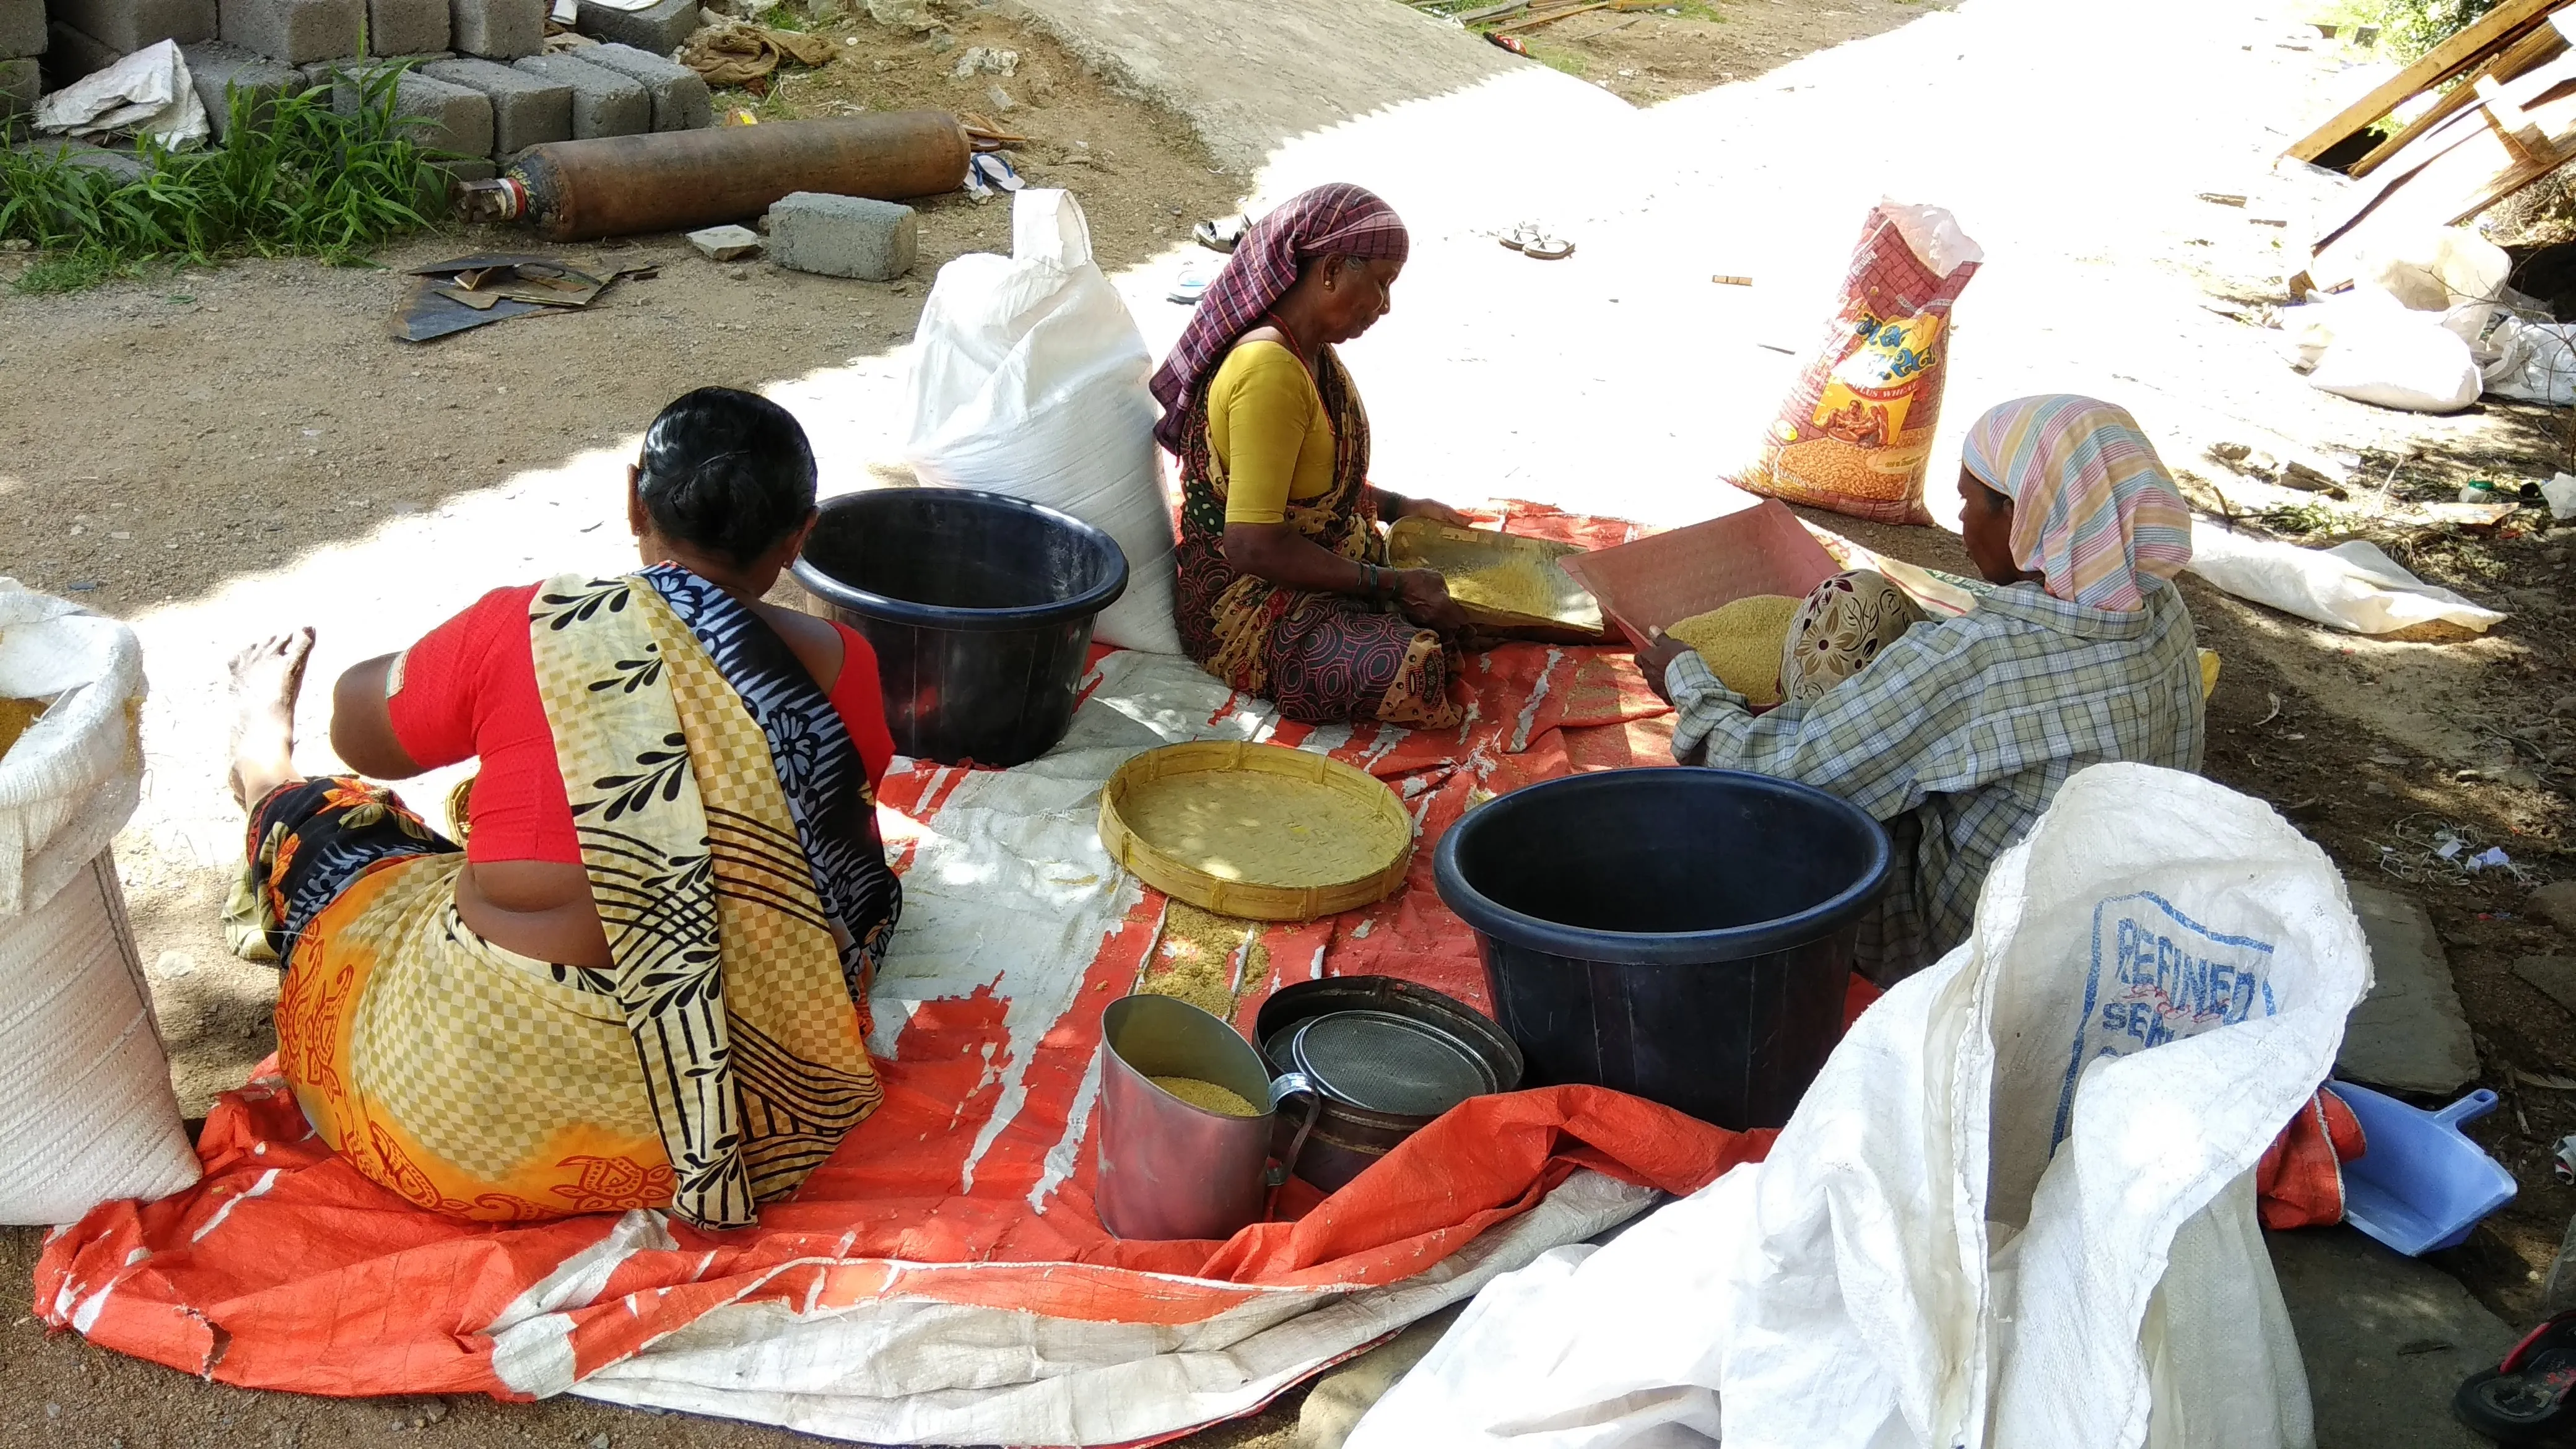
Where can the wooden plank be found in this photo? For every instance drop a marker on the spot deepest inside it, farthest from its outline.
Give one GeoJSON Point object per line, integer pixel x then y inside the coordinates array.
{"type": "Point", "coordinates": [2458, 170]}
{"type": "Point", "coordinates": [2543, 43]}
{"type": "Point", "coordinates": [2512, 124]}
{"type": "Point", "coordinates": [2497, 29]}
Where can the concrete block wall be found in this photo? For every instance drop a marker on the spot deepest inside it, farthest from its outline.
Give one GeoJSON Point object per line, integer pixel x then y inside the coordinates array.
{"type": "Point", "coordinates": [604, 103]}
{"type": "Point", "coordinates": [21, 81]}
{"type": "Point", "coordinates": [296, 31]}
{"type": "Point", "coordinates": [527, 110]}
{"type": "Point", "coordinates": [22, 29]}
{"type": "Point", "coordinates": [406, 27]}
{"type": "Point", "coordinates": [460, 120]}
{"type": "Point", "coordinates": [658, 30]}
{"type": "Point", "coordinates": [497, 29]}
{"type": "Point", "coordinates": [126, 26]}
{"type": "Point", "coordinates": [681, 101]}
{"type": "Point", "coordinates": [71, 53]}
{"type": "Point", "coordinates": [219, 69]}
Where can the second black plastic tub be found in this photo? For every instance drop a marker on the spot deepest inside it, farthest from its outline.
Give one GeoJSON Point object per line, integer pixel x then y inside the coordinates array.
{"type": "Point", "coordinates": [979, 607]}
{"type": "Point", "coordinates": [1684, 934]}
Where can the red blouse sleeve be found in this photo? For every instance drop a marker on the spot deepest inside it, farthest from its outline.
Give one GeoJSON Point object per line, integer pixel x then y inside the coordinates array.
{"type": "Point", "coordinates": [438, 696]}
{"type": "Point", "coordinates": [860, 698]}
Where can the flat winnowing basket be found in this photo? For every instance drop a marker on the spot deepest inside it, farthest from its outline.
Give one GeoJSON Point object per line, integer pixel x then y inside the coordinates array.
{"type": "Point", "coordinates": [1188, 880]}
{"type": "Point", "coordinates": [1569, 613]}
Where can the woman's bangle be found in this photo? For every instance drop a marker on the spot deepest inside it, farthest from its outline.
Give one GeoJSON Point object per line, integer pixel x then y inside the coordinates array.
{"type": "Point", "coordinates": [1368, 579]}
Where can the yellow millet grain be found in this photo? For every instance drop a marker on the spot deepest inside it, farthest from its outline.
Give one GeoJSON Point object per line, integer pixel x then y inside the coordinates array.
{"type": "Point", "coordinates": [1206, 1095]}
{"type": "Point", "coordinates": [15, 716]}
{"type": "Point", "coordinates": [1740, 642]}
{"type": "Point", "coordinates": [1520, 584]}
{"type": "Point", "coordinates": [1196, 960]}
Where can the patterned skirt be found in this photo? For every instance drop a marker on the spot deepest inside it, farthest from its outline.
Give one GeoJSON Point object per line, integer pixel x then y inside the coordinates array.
{"type": "Point", "coordinates": [1323, 658]}
{"type": "Point", "coordinates": [462, 1076]}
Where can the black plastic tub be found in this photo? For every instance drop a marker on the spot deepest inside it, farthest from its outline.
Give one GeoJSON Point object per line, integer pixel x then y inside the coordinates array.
{"type": "Point", "coordinates": [979, 607]}
{"type": "Point", "coordinates": [1683, 934]}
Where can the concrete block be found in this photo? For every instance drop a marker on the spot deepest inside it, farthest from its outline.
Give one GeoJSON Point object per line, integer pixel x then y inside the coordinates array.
{"type": "Point", "coordinates": [21, 81]}
{"type": "Point", "coordinates": [126, 26]}
{"type": "Point", "coordinates": [296, 31]}
{"type": "Point", "coordinates": [843, 236]}
{"type": "Point", "coordinates": [327, 73]}
{"type": "Point", "coordinates": [406, 27]}
{"type": "Point", "coordinates": [497, 29]}
{"type": "Point", "coordinates": [2408, 1034]}
{"type": "Point", "coordinates": [460, 120]}
{"type": "Point", "coordinates": [527, 110]}
{"type": "Point", "coordinates": [71, 54]}
{"type": "Point", "coordinates": [122, 165]}
{"type": "Point", "coordinates": [681, 101]}
{"type": "Point", "coordinates": [22, 28]}
{"type": "Point", "coordinates": [659, 30]}
{"type": "Point", "coordinates": [604, 103]}
{"type": "Point", "coordinates": [219, 69]}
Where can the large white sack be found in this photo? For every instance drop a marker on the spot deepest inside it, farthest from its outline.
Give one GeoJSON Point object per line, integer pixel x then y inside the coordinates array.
{"type": "Point", "coordinates": [2439, 268]}
{"type": "Point", "coordinates": [1028, 377]}
{"type": "Point", "coordinates": [2382, 353]}
{"type": "Point", "coordinates": [75, 776]}
{"type": "Point", "coordinates": [86, 1111]}
{"type": "Point", "coordinates": [2015, 1208]}
{"type": "Point", "coordinates": [2351, 586]}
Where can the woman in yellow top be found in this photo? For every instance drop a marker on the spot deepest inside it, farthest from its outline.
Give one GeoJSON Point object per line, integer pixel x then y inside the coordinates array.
{"type": "Point", "coordinates": [1284, 587]}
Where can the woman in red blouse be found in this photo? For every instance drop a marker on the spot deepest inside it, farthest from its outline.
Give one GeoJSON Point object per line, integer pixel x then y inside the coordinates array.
{"type": "Point", "coordinates": [642, 982]}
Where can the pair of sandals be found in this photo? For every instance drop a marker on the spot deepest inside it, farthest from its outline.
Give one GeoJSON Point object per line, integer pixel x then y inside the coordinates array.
{"type": "Point", "coordinates": [1531, 241]}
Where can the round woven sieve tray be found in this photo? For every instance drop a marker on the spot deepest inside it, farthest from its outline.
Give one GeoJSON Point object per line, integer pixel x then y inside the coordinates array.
{"type": "Point", "coordinates": [1172, 872]}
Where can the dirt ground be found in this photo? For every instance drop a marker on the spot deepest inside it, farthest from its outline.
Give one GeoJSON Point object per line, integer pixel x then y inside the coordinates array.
{"type": "Point", "coordinates": [162, 436]}
{"type": "Point", "coordinates": [1654, 55]}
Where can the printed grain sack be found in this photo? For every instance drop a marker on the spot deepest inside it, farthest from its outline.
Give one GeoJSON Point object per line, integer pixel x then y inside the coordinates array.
{"type": "Point", "coordinates": [1856, 431]}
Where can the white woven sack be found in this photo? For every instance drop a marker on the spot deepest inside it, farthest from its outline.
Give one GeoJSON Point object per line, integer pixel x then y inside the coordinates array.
{"type": "Point", "coordinates": [72, 780]}
{"type": "Point", "coordinates": [2016, 1208]}
{"type": "Point", "coordinates": [86, 1111]}
{"type": "Point", "coordinates": [1028, 378]}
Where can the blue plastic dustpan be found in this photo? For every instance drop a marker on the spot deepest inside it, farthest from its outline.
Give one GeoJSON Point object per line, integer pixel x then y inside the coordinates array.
{"type": "Point", "coordinates": [2419, 1184]}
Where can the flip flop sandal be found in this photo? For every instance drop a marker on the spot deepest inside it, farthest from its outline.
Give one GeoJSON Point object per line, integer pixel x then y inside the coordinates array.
{"type": "Point", "coordinates": [1220, 234]}
{"type": "Point", "coordinates": [1548, 249]}
{"type": "Point", "coordinates": [2525, 1399]}
{"type": "Point", "coordinates": [1190, 285]}
{"type": "Point", "coordinates": [1521, 236]}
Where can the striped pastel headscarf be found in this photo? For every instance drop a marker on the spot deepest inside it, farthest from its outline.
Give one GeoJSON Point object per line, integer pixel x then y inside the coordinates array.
{"type": "Point", "coordinates": [2092, 505]}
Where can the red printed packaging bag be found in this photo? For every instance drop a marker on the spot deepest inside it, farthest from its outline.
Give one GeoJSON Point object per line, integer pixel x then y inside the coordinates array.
{"type": "Point", "coordinates": [1856, 431]}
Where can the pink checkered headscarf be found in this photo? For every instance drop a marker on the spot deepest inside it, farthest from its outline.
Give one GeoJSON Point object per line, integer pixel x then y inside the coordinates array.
{"type": "Point", "coordinates": [1335, 220]}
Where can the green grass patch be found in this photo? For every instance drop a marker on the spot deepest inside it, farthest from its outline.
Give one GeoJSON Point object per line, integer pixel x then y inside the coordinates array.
{"type": "Point", "coordinates": [297, 179]}
{"type": "Point", "coordinates": [1558, 57]}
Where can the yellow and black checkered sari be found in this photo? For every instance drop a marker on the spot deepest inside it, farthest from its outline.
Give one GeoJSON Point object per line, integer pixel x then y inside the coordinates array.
{"type": "Point", "coordinates": [727, 828]}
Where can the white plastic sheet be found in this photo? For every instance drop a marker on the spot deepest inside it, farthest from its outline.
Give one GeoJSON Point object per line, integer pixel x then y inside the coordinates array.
{"type": "Point", "coordinates": [2350, 586]}
{"type": "Point", "coordinates": [148, 93]}
{"type": "Point", "coordinates": [2015, 1209]}
{"type": "Point", "coordinates": [1028, 378]}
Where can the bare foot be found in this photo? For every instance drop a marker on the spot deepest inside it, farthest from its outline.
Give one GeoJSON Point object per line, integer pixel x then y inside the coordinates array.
{"type": "Point", "coordinates": [267, 677]}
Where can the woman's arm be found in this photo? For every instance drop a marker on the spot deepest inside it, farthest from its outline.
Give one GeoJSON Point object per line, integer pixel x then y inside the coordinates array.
{"type": "Point", "coordinates": [1868, 740]}
{"type": "Point", "coordinates": [362, 729]}
{"type": "Point", "coordinates": [1281, 554]}
{"type": "Point", "coordinates": [1392, 506]}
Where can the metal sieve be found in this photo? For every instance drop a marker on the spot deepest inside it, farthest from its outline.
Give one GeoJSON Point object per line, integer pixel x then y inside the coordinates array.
{"type": "Point", "coordinates": [1389, 1063]}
